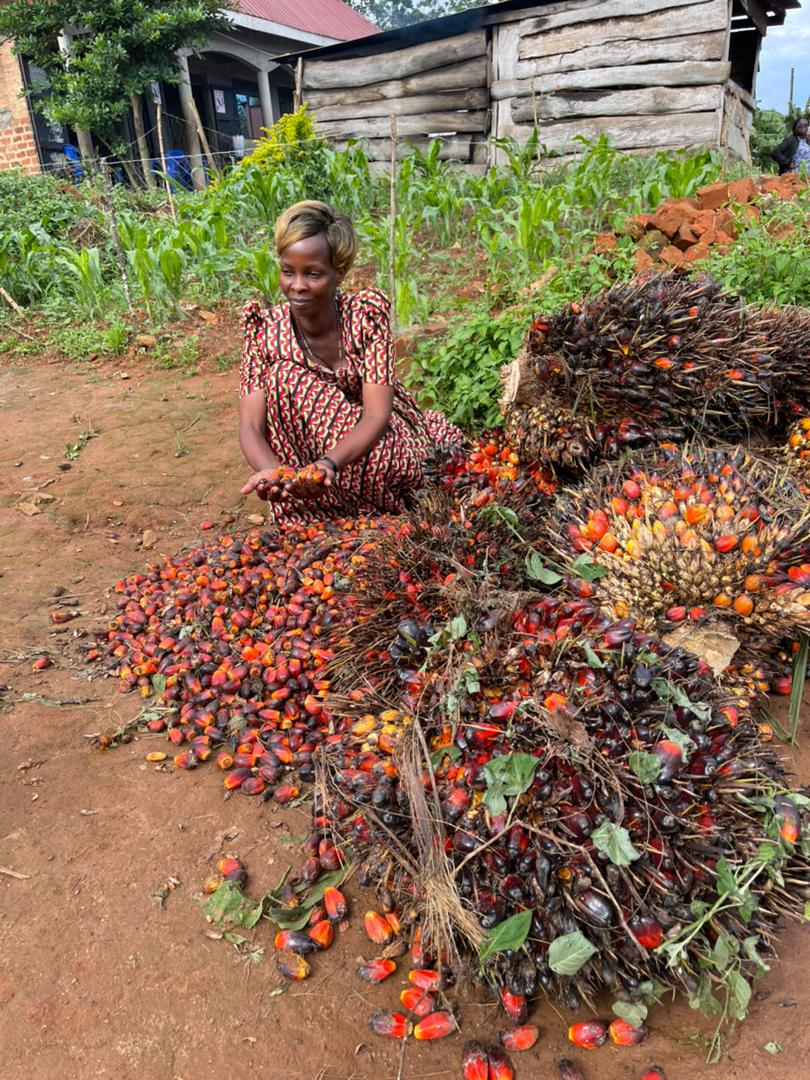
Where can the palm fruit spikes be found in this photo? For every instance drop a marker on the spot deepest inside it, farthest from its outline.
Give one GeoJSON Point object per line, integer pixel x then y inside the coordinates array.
{"type": "Point", "coordinates": [668, 357]}
{"type": "Point", "coordinates": [797, 449]}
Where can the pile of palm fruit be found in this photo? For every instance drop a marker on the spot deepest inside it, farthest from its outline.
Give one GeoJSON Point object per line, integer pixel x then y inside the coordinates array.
{"type": "Point", "coordinates": [544, 786]}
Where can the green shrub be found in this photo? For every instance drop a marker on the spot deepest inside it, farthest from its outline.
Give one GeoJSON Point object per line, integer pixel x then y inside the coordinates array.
{"type": "Point", "coordinates": [55, 205]}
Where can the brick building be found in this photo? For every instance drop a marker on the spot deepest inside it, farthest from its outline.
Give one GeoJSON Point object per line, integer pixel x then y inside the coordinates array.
{"type": "Point", "coordinates": [235, 80]}
{"type": "Point", "coordinates": [18, 145]}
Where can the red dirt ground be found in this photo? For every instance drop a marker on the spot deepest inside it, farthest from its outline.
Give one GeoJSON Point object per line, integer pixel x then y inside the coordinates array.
{"type": "Point", "coordinates": [96, 980]}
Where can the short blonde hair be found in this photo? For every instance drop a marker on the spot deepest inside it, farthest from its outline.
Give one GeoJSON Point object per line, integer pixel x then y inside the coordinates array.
{"type": "Point", "coordinates": [310, 218]}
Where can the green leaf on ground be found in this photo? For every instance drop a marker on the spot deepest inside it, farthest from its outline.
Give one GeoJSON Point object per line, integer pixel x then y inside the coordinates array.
{"type": "Point", "coordinates": [645, 766]}
{"type": "Point", "coordinates": [614, 841]}
{"type": "Point", "coordinates": [634, 1012]}
{"type": "Point", "coordinates": [229, 905]}
{"type": "Point", "coordinates": [568, 953]}
{"type": "Point", "coordinates": [507, 936]}
{"type": "Point", "coordinates": [507, 776]}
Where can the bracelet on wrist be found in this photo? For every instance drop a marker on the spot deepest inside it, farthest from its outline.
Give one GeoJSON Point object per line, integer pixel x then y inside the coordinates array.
{"type": "Point", "coordinates": [331, 463]}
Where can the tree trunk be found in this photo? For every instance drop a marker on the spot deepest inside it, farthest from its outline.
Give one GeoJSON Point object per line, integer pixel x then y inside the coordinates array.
{"type": "Point", "coordinates": [140, 135]}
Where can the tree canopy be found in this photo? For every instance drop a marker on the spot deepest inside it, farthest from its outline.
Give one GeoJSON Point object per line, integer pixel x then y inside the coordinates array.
{"type": "Point", "coordinates": [120, 48]}
{"type": "Point", "coordinates": [391, 13]}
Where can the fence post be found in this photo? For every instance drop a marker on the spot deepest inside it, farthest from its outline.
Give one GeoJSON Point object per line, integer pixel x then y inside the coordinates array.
{"type": "Point", "coordinates": [392, 279]}
{"type": "Point", "coordinates": [163, 159]}
{"type": "Point", "coordinates": [109, 206]}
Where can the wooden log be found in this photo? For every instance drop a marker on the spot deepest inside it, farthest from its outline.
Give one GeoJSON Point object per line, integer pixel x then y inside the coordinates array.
{"type": "Point", "coordinates": [628, 132]}
{"type": "Point", "coordinates": [456, 148]}
{"type": "Point", "coordinates": [697, 19]}
{"type": "Point", "coordinates": [568, 14]}
{"type": "Point", "coordinates": [620, 53]}
{"type": "Point", "coordinates": [652, 100]}
{"type": "Point", "coordinates": [468, 73]}
{"type": "Point", "coordinates": [376, 127]}
{"type": "Point", "coordinates": [405, 106]}
{"type": "Point", "coordinates": [686, 73]}
{"type": "Point", "coordinates": [327, 74]}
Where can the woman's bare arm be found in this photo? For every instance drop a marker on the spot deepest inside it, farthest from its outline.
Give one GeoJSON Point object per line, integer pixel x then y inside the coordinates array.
{"type": "Point", "coordinates": [253, 439]}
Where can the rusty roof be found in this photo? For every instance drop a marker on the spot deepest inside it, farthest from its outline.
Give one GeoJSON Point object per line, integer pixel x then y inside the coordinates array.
{"type": "Point", "coordinates": [328, 18]}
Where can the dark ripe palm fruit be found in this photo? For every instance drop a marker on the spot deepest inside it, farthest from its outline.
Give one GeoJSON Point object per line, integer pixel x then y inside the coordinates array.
{"type": "Point", "coordinates": [670, 756]}
{"type": "Point", "coordinates": [624, 1034]}
{"type": "Point", "coordinates": [416, 1001]}
{"type": "Point", "coordinates": [474, 1064]}
{"type": "Point", "coordinates": [322, 933]}
{"type": "Point", "coordinates": [375, 971]}
{"type": "Point", "coordinates": [568, 1070]}
{"type": "Point", "coordinates": [647, 932]}
{"type": "Point", "coordinates": [435, 1026]}
{"type": "Point", "coordinates": [377, 928]}
{"type": "Point", "coordinates": [654, 1072]}
{"type": "Point", "coordinates": [253, 785]}
{"type": "Point", "coordinates": [335, 903]}
{"type": "Point", "coordinates": [292, 966]}
{"type": "Point", "coordinates": [515, 1006]}
{"type": "Point", "coordinates": [296, 940]}
{"type": "Point", "coordinates": [519, 1038]}
{"type": "Point", "coordinates": [500, 1067]}
{"type": "Point", "coordinates": [393, 1025]}
{"type": "Point", "coordinates": [236, 777]}
{"type": "Point", "coordinates": [588, 1034]}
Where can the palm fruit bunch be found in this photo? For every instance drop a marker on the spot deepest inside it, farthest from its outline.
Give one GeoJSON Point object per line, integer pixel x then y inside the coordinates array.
{"type": "Point", "coordinates": [553, 796]}
{"type": "Point", "coordinates": [696, 535]}
{"type": "Point", "coordinates": [664, 358]}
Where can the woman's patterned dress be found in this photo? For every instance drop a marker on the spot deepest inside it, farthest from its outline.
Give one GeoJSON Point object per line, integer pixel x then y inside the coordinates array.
{"type": "Point", "coordinates": [310, 408]}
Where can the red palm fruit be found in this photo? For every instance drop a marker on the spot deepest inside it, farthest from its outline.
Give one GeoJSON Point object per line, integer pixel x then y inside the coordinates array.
{"type": "Point", "coordinates": [377, 928]}
{"type": "Point", "coordinates": [499, 1065]}
{"type": "Point", "coordinates": [224, 759]}
{"type": "Point", "coordinates": [589, 1034]}
{"type": "Point", "coordinates": [655, 1072]}
{"type": "Point", "coordinates": [670, 756]}
{"type": "Point", "coordinates": [676, 614]}
{"type": "Point", "coordinates": [568, 1070]}
{"type": "Point", "coordinates": [393, 921]}
{"type": "Point", "coordinates": [631, 490]}
{"type": "Point", "coordinates": [375, 971]}
{"type": "Point", "coordinates": [335, 904]}
{"type": "Point", "coordinates": [285, 793]}
{"type": "Point", "coordinates": [419, 1002]}
{"type": "Point", "coordinates": [253, 785]}
{"type": "Point", "coordinates": [394, 1025]}
{"type": "Point", "coordinates": [292, 966]}
{"type": "Point", "coordinates": [417, 952]}
{"type": "Point", "coordinates": [515, 1007]}
{"type": "Point", "coordinates": [647, 932]}
{"type": "Point", "coordinates": [726, 543]}
{"type": "Point", "coordinates": [227, 865]}
{"type": "Point", "coordinates": [236, 778]}
{"type": "Point", "coordinates": [789, 821]}
{"type": "Point", "coordinates": [318, 915]}
{"type": "Point", "coordinates": [474, 1061]}
{"type": "Point", "coordinates": [425, 979]}
{"type": "Point", "coordinates": [624, 1034]}
{"type": "Point", "coordinates": [41, 663]}
{"type": "Point", "coordinates": [187, 759]}
{"type": "Point", "coordinates": [519, 1038]}
{"type": "Point", "coordinates": [323, 934]}
{"type": "Point", "coordinates": [435, 1026]}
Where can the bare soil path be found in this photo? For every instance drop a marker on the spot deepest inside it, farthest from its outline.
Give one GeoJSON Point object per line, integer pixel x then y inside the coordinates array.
{"type": "Point", "coordinates": [97, 979]}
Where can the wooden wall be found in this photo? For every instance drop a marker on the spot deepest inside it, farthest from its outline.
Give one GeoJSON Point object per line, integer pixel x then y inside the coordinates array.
{"type": "Point", "coordinates": [436, 87]}
{"type": "Point", "coordinates": [653, 74]}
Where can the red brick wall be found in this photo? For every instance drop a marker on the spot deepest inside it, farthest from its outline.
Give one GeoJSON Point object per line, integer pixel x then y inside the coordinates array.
{"type": "Point", "coordinates": [18, 148]}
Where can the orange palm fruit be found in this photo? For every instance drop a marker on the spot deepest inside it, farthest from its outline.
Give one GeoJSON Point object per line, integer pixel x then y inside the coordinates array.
{"type": "Point", "coordinates": [624, 1034]}
{"type": "Point", "coordinates": [224, 759]}
{"type": "Point", "coordinates": [589, 1034]}
{"type": "Point", "coordinates": [435, 1026]}
{"type": "Point", "coordinates": [211, 884]}
{"type": "Point", "coordinates": [322, 933]}
{"type": "Point", "coordinates": [335, 903]}
{"type": "Point", "coordinates": [743, 605]}
{"type": "Point", "coordinates": [292, 966]}
{"type": "Point", "coordinates": [375, 971]}
{"type": "Point", "coordinates": [394, 1025]}
{"type": "Point", "coordinates": [156, 755]}
{"type": "Point", "coordinates": [236, 778]}
{"type": "Point", "coordinates": [419, 1002]}
{"type": "Point", "coordinates": [515, 1007]}
{"type": "Point", "coordinates": [228, 865]}
{"type": "Point", "coordinates": [499, 1066]}
{"type": "Point", "coordinates": [41, 663]}
{"type": "Point", "coordinates": [725, 543]}
{"type": "Point", "coordinates": [377, 928]}
{"type": "Point", "coordinates": [695, 514]}
{"type": "Point", "coordinates": [519, 1038]}
{"type": "Point", "coordinates": [393, 921]}
{"type": "Point", "coordinates": [474, 1063]}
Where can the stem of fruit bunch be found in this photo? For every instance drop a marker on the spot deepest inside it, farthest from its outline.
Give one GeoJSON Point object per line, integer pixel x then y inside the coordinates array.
{"type": "Point", "coordinates": [797, 679]}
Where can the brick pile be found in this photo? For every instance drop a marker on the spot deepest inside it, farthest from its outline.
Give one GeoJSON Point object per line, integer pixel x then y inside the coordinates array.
{"type": "Point", "coordinates": [684, 231]}
{"type": "Point", "coordinates": [18, 148]}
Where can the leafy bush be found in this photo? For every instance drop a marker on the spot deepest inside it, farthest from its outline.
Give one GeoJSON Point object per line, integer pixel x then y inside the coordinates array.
{"type": "Point", "coordinates": [51, 203]}
{"type": "Point", "coordinates": [289, 139]}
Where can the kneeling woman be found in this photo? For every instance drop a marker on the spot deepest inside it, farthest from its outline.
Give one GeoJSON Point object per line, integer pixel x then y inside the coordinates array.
{"type": "Point", "coordinates": [318, 385]}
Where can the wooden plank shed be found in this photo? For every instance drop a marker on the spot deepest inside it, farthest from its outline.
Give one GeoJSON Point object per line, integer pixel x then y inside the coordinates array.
{"type": "Point", "coordinates": [652, 74]}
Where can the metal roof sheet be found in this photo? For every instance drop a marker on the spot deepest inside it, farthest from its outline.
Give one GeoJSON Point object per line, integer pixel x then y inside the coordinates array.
{"type": "Point", "coordinates": [329, 18]}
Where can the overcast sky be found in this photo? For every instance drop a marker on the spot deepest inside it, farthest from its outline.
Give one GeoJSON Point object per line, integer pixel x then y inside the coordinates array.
{"type": "Point", "coordinates": [785, 47]}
